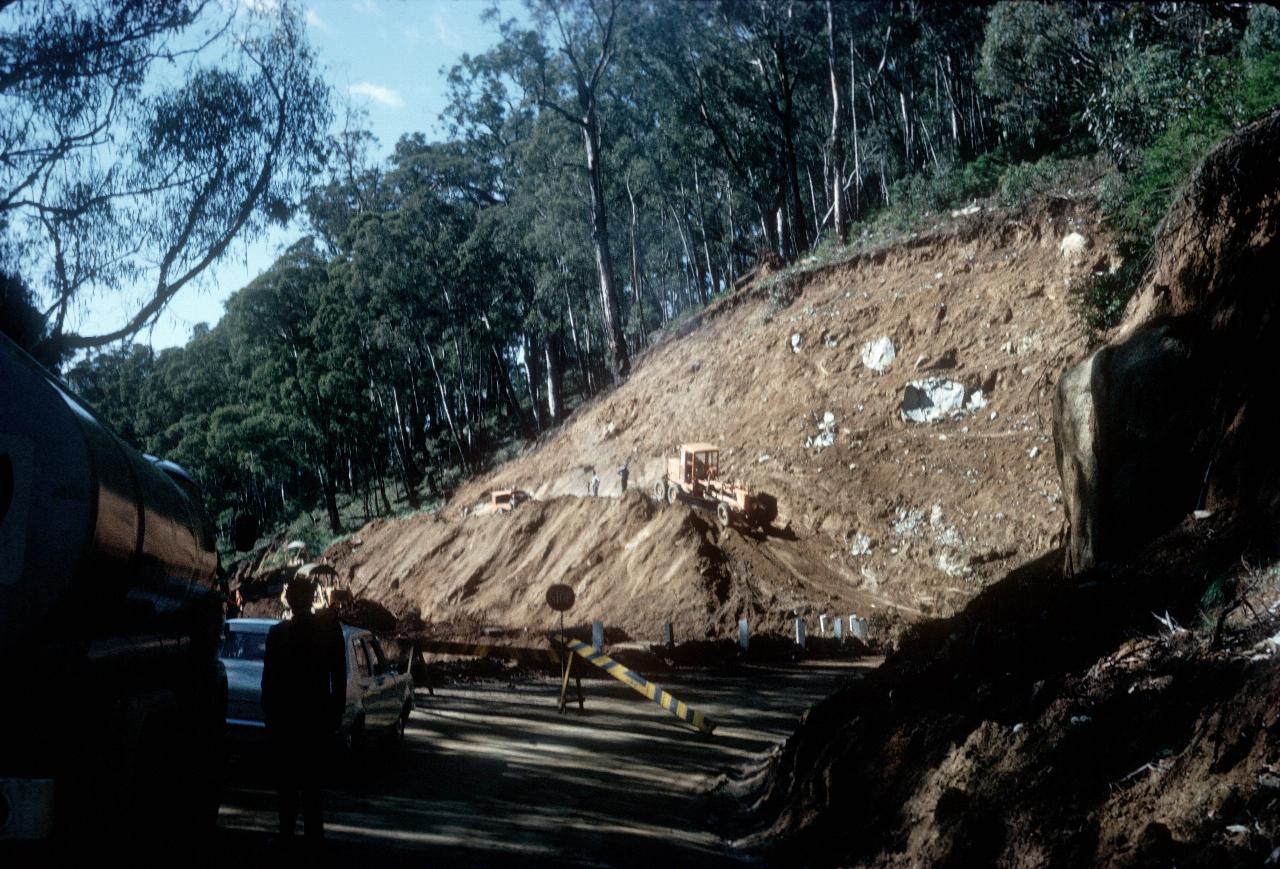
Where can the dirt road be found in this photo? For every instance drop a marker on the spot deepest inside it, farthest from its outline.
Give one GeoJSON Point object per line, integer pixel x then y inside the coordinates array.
{"type": "Point", "coordinates": [491, 775]}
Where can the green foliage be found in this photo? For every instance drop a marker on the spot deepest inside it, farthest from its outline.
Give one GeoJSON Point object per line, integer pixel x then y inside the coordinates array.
{"type": "Point", "coordinates": [448, 294]}
{"type": "Point", "coordinates": [1100, 299]}
{"type": "Point", "coordinates": [1025, 182]}
{"type": "Point", "coordinates": [1137, 201]}
{"type": "Point", "coordinates": [140, 139]}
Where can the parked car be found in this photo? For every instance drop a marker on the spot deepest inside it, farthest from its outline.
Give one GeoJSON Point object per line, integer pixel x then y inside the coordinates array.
{"type": "Point", "coordinates": [379, 699]}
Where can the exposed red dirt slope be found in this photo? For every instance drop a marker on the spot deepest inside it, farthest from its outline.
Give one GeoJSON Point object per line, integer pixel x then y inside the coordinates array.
{"type": "Point", "coordinates": [894, 519]}
{"type": "Point", "coordinates": [1127, 714]}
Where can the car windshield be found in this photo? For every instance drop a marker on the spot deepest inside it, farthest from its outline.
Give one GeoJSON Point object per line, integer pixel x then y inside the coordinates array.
{"type": "Point", "coordinates": [243, 646]}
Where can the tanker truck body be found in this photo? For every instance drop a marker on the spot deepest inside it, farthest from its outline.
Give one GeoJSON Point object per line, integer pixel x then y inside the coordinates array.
{"type": "Point", "coordinates": [109, 625]}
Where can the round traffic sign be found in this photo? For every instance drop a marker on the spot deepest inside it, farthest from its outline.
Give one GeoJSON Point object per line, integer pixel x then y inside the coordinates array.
{"type": "Point", "coordinates": [560, 597]}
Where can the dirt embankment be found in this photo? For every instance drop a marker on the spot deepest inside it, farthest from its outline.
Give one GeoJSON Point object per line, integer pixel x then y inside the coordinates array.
{"type": "Point", "coordinates": [877, 515]}
{"type": "Point", "coordinates": [634, 564]}
{"type": "Point", "coordinates": [1052, 723]}
{"type": "Point", "coordinates": [1125, 714]}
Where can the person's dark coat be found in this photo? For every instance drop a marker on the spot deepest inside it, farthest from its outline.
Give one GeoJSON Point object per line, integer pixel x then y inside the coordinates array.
{"type": "Point", "coordinates": [304, 677]}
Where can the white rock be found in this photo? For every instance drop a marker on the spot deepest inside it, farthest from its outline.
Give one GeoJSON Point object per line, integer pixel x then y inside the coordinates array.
{"type": "Point", "coordinates": [953, 566]}
{"type": "Point", "coordinates": [1033, 453]}
{"type": "Point", "coordinates": [821, 441]}
{"type": "Point", "coordinates": [977, 401]}
{"type": "Point", "coordinates": [932, 399]}
{"type": "Point", "coordinates": [764, 457]}
{"type": "Point", "coordinates": [908, 522]}
{"type": "Point", "coordinates": [967, 211]}
{"type": "Point", "coordinates": [879, 354]}
{"type": "Point", "coordinates": [796, 340]}
{"type": "Point", "coordinates": [861, 545]}
{"type": "Point", "coordinates": [1074, 245]}
{"type": "Point", "coordinates": [935, 515]}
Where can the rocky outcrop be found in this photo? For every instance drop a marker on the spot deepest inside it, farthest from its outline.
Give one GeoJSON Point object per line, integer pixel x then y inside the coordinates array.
{"type": "Point", "coordinates": [1181, 410]}
{"type": "Point", "coordinates": [1127, 433]}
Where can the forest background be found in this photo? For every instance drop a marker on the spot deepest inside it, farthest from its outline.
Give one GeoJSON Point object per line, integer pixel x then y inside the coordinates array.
{"type": "Point", "coordinates": [611, 166]}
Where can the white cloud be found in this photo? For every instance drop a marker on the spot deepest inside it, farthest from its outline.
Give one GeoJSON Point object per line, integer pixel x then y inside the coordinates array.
{"type": "Point", "coordinates": [368, 7]}
{"type": "Point", "coordinates": [379, 94]}
{"type": "Point", "coordinates": [445, 34]}
{"type": "Point", "coordinates": [314, 20]}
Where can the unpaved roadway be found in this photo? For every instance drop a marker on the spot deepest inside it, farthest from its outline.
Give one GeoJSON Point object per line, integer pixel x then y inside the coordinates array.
{"type": "Point", "coordinates": [491, 775]}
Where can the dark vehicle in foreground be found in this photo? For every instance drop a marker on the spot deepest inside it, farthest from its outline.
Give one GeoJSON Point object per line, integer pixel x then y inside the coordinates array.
{"type": "Point", "coordinates": [109, 626]}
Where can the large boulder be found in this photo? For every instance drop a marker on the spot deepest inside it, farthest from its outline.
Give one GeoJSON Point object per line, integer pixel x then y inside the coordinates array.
{"type": "Point", "coordinates": [1127, 432]}
{"type": "Point", "coordinates": [1181, 410]}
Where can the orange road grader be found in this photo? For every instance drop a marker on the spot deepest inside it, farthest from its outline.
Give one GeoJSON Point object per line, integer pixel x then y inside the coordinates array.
{"type": "Point", "coordinates": [693, 476]}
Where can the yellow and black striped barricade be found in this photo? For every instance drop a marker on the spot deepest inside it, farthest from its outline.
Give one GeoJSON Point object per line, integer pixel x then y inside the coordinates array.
{"type": "Point", "coordinates": [641, 685]}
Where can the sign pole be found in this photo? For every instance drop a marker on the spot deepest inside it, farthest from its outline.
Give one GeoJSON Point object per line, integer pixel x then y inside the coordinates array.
{"type": "Point", "coordinates": [560, 597]}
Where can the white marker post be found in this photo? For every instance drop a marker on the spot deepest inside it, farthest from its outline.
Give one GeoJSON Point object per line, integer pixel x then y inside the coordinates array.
{"type": "Point", "coordinates": [800, 633]}
{"type": "Point", "coordinates": [744, 635]}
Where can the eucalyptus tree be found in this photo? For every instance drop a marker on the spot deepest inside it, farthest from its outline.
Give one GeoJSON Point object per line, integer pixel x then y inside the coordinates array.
{"type": "Point", "coordinates": [138, 141]}
{"type": "Point", "coordinates": [560, 67]}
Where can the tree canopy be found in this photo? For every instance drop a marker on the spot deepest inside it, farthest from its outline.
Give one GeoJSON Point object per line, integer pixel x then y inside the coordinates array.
{"type": "Point", "coordinates": [139, 140]}
{"type": "Point", "coordinates": [607, 167]}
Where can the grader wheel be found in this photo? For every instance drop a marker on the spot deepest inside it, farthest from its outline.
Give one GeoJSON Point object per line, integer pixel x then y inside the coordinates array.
{"type": "Point", "coordinates": [673, 493]}
{"type": "Point", "coordinates": [660, 491]}
{"type": "Point", "coordinates": [722, 514]}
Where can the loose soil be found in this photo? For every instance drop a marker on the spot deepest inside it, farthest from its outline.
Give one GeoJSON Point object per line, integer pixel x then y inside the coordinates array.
{"type": "Point", "coordinates": [1052, 723]}
{"type": "Point", "coordinates": [893, 521]}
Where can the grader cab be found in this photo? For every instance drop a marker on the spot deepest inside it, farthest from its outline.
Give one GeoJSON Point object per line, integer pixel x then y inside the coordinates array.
{"type": "Point", "coordinates": [693, 476]}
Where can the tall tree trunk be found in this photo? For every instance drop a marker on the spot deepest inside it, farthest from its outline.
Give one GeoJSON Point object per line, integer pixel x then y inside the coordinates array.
{"type": "Point", "coordinates": [578, 352]}
{"type": "Point", "coordinates": [503, 377]}
{"type": "Point", "coordinates": [835, 144]}
{"type": "Point", "coordinates": [532, 375]}
{"type": "Point", "coordinates": [408, 468]}
{"type": "Point", "coordinates": [555, 380]}
{"type": "Point", "coordinates": [448, 414]}
{"type": "Point", "coordinates": [712, 270]}
{"type": "Point", "coordinates": [857, 155]}
{"type": "Point", "coordinates": [799, 223]}
{"type": "Point", "coordinates": [642, 330]}
{"type": "Point", "coordinates": [619, 359]}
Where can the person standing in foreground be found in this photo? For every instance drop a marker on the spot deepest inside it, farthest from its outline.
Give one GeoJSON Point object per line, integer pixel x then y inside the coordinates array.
{"type": "Point", "coordinates": [304, 693]}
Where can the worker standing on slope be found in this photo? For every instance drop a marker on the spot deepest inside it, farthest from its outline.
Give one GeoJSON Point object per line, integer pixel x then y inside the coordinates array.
{"type": "Point", "coordinates": [623, 473]}
{"type": "Point", "coordinates": [595, 484]}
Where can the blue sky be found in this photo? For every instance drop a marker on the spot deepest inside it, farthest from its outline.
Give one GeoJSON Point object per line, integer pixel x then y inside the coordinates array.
{"type": "Point", "coordinates": [387, 57]}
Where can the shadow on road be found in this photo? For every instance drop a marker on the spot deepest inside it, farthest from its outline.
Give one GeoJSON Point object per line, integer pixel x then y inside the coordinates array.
{"type": "Point", "coordinates": [492, 775]}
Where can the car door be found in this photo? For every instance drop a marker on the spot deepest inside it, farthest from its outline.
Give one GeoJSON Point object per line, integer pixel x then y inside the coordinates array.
{"type": "Point", "coordinates": [362, 682]}
{"type": "Point", "coordinates": [384, 683]}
